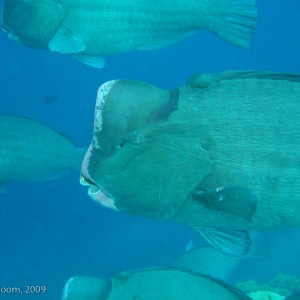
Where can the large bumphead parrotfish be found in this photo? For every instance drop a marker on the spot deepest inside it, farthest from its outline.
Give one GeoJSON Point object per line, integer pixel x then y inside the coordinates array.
{"type": "Point", "coordinates": [150, 284]}
{"type": "Point", "coordinates": [30, 150]}
{"type": "Point", "coordinates": [220, 154]}
{"type": "Point", "coordinates": [88, 29]}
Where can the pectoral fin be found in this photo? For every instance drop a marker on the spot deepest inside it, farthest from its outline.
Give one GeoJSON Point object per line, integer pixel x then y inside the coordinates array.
{"type": "Point", "coordinates": [231, 242]}
{"type": "Point", "coordinates": [233, 200]}
{"type": "Point", "coordinates": [66, 41]}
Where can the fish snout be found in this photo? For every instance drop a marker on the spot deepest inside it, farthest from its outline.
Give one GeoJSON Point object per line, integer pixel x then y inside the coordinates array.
{"type": "Point", "coordinates": [98, 194]}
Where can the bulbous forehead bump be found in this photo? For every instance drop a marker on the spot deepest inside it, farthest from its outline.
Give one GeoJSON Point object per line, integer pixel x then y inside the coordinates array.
{"type": "Point", "coordinates": [101, 98]}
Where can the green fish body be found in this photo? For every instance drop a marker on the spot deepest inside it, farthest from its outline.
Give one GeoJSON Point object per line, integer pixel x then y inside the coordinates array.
{"type": "Point", "coordinates": [88, 29]}
{"type": "Point", "coordinates": [149, 284]}
{"type": "Point", "coordinates": [30, 150]}
{"type": "Point", "coordinates": [220, 154]}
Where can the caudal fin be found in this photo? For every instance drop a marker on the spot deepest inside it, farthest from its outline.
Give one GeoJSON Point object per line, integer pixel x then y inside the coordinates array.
{"type": "Point", "coordinates": [238, 23]}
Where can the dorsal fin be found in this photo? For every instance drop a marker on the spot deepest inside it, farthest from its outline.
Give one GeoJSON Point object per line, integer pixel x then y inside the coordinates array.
{"type": "Point", "coordinates": [204, 80]}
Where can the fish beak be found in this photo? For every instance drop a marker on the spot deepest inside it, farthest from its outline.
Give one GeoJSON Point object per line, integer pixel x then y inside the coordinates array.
{"type": "Point", "coordinates": [85, 181]}
{"type": "Point", "coordinates": [97, 193]}
{"type": "Point", "coordinates": [93, 191]}
{"type": "Point", "coordinates": [10, 34]}
{"type": "Point", "coordinates": [13, 37]}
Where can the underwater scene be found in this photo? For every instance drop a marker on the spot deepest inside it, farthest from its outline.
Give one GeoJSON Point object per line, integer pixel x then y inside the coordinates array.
{"type": "Point", "coordinates": [150, 149]}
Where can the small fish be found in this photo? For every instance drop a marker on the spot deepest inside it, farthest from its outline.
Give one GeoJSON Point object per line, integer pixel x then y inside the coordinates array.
{"type": "Point", "coordinates": [49, 99]}
{"type": "Point", "coordinates": [88, 29]}
{"type": "Point", "coordinates": [220, 154]}
{"type": "Point", "coordinates": [30, 150]}
{"type": "Point", "coordinates": [150, 284]}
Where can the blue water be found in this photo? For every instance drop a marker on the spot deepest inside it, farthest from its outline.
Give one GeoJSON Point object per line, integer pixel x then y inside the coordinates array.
{"type": "Point", "coordinates": [51, 231]}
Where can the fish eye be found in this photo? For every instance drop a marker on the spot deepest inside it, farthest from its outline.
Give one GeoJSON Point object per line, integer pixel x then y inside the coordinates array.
{"type": "Point", "coordinates": [119, 146]}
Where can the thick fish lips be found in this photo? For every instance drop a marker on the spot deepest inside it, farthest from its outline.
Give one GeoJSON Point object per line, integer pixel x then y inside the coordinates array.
{"type": "Point", "coordinates": [31, 23]}
{"type": "Point", "coordinates": [96, 192]}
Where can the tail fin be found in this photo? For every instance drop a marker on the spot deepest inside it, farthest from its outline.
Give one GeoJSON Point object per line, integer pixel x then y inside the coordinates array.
{"type": "Point", "coordinates": [238, 23]}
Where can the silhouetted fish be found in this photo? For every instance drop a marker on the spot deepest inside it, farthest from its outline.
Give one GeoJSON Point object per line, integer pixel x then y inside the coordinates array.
{"type": "Point", "coordinates": [48, 99]}
{"type": "Point", "coordinates": [30, 150]}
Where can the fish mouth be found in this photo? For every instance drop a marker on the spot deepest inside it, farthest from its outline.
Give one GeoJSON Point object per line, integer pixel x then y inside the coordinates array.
{"type": "Point", "coordinates": [98, 194]}
{"type": "Point", "coordinates": [5, 29]}
{"type": "Point", "coordinates": [13, 36]}
{"type": "Point", "coordinates": [10, 34]}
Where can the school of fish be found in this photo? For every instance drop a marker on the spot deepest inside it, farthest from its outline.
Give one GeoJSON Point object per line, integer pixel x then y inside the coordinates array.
{"type": "Point", "coordinates": [219, 154]}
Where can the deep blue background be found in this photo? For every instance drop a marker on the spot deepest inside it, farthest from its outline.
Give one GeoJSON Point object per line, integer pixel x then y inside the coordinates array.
{"type": "Point", "coordinates": [50, 231]}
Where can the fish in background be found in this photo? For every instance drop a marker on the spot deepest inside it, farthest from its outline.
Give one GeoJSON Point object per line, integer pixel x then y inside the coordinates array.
{"type": "Point", "coordinates": [49, 99]}
{"type": "Point", "coordinates": [88, 29]}
{"type": "Point", "coordinates": [207, 260]}
{"type": "Point", "coordinates": [220, 154]}
{"type": "Point", "coordinates": [32, 151]}
{"type": "Point", "coordinates": [160, 284]}
{"type": "Point", "coordinates": [150, 284]}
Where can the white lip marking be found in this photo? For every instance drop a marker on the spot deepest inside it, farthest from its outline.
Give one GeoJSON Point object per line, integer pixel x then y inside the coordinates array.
{"type": "Point", "coordinates": [13, 37]}
{"type": "Point", "coordinates": [102, 92]}
{"type": "Point", "coordinates": [95, 192]}
{"type": "Point", "coordinates": [84, 166]}
{"type": "Point", "coordinates": [100, 197]}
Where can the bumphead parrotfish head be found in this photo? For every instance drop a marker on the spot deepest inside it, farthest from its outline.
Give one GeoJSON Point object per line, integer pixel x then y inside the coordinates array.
{"type": "Point", "coordinates": [136, 162]}
{"type": "Point", "coordinates": [31, 22]}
